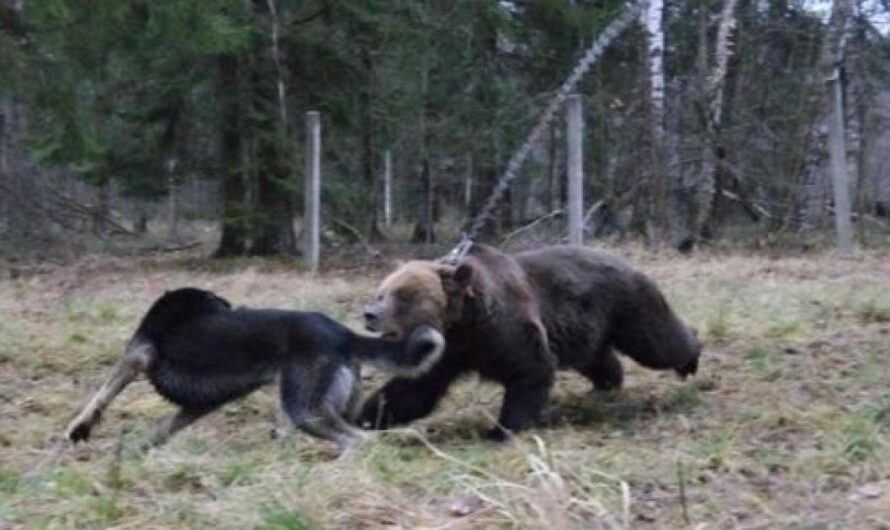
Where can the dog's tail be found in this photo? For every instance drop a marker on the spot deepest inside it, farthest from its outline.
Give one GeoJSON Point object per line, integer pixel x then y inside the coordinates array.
{"type": "Point", "coordinates": [177, 308]}
{"type": "Point", "coordinates": [409, 357]}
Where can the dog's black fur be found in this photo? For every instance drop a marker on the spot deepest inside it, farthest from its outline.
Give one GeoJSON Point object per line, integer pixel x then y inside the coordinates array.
{"type": "Point", "coordinates": [200, 353]}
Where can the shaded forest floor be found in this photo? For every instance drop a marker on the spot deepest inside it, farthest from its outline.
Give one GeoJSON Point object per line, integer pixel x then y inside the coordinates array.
{"type": "Point", "coordinates": [786, 424]}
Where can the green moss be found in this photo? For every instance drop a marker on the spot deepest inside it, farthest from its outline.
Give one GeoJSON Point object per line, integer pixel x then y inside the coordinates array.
{"type": "Point", "coordinates": [69, 483]}
{"type": "Point", "coordinates": [683, 398]}
{"type": "Point", "coordinates": [9, 479]}
{"type": "Point", "coordinates": [275, 517]}
{"type": "Point", "coordinates": [873, 311]}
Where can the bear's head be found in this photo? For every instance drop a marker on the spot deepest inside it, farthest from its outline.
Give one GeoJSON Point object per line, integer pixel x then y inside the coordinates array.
{"type": "Point", "coordinates": [689, 365]}
{"type": "Point", "coordinates": [419, 293]}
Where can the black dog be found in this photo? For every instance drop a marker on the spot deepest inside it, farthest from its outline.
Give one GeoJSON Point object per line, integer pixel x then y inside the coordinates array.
{"type": "Point", "coordinates": [199, 353]}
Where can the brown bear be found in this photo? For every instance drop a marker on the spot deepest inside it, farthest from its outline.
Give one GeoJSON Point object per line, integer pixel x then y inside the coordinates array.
{"type": "Point", "coordinates": [516, 319]}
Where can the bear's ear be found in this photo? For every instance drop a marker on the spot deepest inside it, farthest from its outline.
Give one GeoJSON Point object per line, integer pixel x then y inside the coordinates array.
{"type": "Point", "coordinates": [463, 275]}
{"type": "Point", "coordinates": [458, 279]}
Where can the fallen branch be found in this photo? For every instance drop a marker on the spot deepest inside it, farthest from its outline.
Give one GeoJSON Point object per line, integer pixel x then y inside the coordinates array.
{"type": "Point", "coordinates": [597, 206]}
{"type": "Point", "coordinates": [90, 212]}
{"type": "Point", "coordinates": [865, 217]}
{"type": "Point", "coordinates": [756, 211]}
{"type": "Point", "coordinates": [357, 235]}
{"type": "Point", "coordinates": [681, 480]}
{"type": "Point", "coordinates": [530, 225]}
{"type": "Point", "coordinates": [177, 248]}
{"type": "Point", "coordinates": [61, 202]}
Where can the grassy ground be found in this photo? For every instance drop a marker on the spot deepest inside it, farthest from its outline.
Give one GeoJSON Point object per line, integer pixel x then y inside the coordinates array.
{"type": "Point", "coordinates": [785, 426]}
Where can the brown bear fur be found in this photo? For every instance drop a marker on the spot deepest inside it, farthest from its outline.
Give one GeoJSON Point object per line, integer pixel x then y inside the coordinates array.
{"type": "Point", "coordinates": [516, 319]}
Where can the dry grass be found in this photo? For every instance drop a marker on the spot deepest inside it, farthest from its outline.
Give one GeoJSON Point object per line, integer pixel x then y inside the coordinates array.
{"type": "Point", "coordinates": [785, 426]}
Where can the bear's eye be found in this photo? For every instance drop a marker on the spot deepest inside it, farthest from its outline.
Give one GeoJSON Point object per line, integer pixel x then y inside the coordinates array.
{"type": "Point", "coordinates": [403, 296]}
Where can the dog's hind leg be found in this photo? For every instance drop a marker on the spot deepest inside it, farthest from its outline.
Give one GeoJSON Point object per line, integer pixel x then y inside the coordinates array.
{"type": "Point", "coordinates": [134, 361]}
{"type": "Point", "coordinates": [172, 424]}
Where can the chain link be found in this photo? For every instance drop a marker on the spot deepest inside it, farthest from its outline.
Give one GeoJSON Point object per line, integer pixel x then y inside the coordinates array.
{"type": "Point", "coordinates": [593, 53]}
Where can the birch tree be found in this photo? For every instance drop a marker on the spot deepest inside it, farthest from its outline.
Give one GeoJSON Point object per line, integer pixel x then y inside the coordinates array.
{"type": "Point", "coordinates": [830, 117]}
{"type": "Point", "coordinates": [652, 19]}
{"type": "Point", "coordinates": [831, 69]}
{"type": "Point", "coordinates": [712, 110]}
{"type": "Point", "coordinates": [830, 58]}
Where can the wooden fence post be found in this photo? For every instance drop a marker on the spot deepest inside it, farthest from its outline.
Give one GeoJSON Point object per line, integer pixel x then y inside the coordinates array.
{"type": "Point", "coordinates": [468, 184]}
{"type": "Point", "coordinates": [387, 187]}
{"type": "Point", "coordinates": [575, 163]}
{"type": "Point", "coordinates": [312, 209]}
{"type": "Point", "coordinates": [839, 167]}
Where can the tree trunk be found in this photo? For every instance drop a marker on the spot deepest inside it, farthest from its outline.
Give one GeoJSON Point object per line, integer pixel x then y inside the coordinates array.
{"type": "Point", "coordinates": [273, 221]}
{"type": "Point", "coordinates": [655, 174]}
{"type": "Point", "coordinates": [575, 165]}
{"type": "Point", "coordinates": [11, 218]}
{"type": "Point", "coordinates": [140, 226]}
{"type": "Point", "coordinates": [387, 187]}
{"type": "Point", "coordinates": [233, 240]}
{"type": "Point", "coordinates": [555, 169]}
{"type": "Point", "coordinates": [5, 184]}
{"type": "Point", "coordinates": [424, 231]}
{"type": "Point", "coordinates": [369, 156]}
{"type": "Point", "coordinates": [711, 107]}
{"type": "Point", "coordinates": [312, 193]}
{"type": "Point", "coordinates": [273, 226]}
{"type": "Point", "coordinates": [856, 117]}
{"type": "Point", "coordinates": [812, 199]}
{"type": "Point", "coordinates": [168, 162]}
{"type": "Point", "coordinates": [838, 155]}
{"type": "Point", "coordinates": [468, 183]}
{"type": "Point", "coordinates": [811, 194]}
{"type": "Point", "coordinates": [101, 209]}
{"type": "Point", "coordinates": [173, 197]}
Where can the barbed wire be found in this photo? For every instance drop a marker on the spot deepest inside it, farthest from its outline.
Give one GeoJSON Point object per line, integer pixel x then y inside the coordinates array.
{"type": "Point", "coordinates": [594, 52]}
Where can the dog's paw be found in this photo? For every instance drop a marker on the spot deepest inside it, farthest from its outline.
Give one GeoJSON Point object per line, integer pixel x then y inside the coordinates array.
{"type": "Point", "coordinates": [79, 429]}
{"type": "Point", "coordinates": [79, 432]}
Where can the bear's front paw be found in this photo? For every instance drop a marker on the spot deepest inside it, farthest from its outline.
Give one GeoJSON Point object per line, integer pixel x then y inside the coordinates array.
{"type": "Point", "coordinates": [498, 434]}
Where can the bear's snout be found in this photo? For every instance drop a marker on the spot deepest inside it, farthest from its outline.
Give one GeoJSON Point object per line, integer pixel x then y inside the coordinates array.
{"type": "Point", "coordinates": [376, 321]}
{"type": "Point", "coordinates": [695, 347]}
{"type": "Point", "coordinates": [689, 369]}
{"type": "Point", "coordinates": [370, 320]}
{"type": "Point", "coordinates": [372, 316]}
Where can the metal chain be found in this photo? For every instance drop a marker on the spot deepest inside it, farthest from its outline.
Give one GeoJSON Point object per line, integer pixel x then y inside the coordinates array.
{"type": "Point", "coordinates": [593, 53]}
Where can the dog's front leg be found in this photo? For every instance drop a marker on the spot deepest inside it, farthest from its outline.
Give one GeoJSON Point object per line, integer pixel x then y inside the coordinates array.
{"type": "Point", "coordinates": [315, 396]}
{"type": "Point", "coordinates": [328, 425]}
